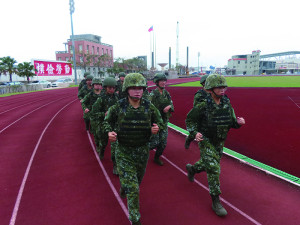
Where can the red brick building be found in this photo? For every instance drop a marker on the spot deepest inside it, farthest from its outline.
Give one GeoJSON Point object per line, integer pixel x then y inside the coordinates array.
{"type": "Point", "coordinates": [88, 49]}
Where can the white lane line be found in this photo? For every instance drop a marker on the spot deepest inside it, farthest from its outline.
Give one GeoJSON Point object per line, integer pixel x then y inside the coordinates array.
{"type": "Point", "coordinates": [294, 102]}
{"type": "Point", "coordinates": [17, 204]}
{"type": "Point", "coordinates": [28, 114]}
{"type": "Point", "coordinates": [222, 199]}
{"type": "Point", "coordinates": [121, 203]}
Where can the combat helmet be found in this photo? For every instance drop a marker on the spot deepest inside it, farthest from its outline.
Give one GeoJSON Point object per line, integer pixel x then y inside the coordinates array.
{"type": "Point", "coordinates": [89, 77]}
{"type": "Point", "coordinates": [134, 80]}
{"type": "Point", "coordinates": [96, 81]}
{"type": "Point", "coordinates": [86, 74]}
{"type": "Point", "coordinates": [215, 80]}
{"type": "Point", "coordinates": [122, 74]}
{"type": "Point", "coordinates": [109, 81]}
{"type": "Point", "coordinates": [203, 79]}
{"type": "Point", "coordinates": [158, 77]}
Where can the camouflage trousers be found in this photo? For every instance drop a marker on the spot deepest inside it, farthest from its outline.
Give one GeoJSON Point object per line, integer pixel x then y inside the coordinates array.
{"type": "Point", "coordinates": [103, 141]}
{"type": "Point", "coordinates": [95, 131]}
{"type": "Point", "coordinates": [211, 154]}
{"type": "Point", "coordinates": [131, 164]}
{"type": "Point", "coordinates": [159, 141]}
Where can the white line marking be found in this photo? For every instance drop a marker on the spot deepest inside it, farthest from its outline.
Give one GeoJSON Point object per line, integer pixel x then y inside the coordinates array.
{"type": "Point", "coordinates": [294, 102]}
{"type": "Point", "coordinates": [222, 199]}
{"type": "Point", "coordinates": [28, 114]}
{"type": "Point", "coordinates": [121, 203]}
{"type": "Point", "coordinates": [17, 204]}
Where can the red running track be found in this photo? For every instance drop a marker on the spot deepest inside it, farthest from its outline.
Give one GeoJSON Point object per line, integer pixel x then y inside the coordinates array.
{"type": "Point", "coordinates": [66, 185]}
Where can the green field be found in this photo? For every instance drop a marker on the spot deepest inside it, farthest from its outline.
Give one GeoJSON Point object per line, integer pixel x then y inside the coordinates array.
{"type": "Point", "coordinates": [266, 81]}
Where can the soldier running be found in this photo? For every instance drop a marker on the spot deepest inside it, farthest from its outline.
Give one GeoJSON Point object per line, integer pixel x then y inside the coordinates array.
{"type": "Point", "coordinates": [210, 122]}
{"type": "Point", "coordinates": [131, 121]}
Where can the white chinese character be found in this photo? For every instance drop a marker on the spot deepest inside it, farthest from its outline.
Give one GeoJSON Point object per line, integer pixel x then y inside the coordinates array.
{"type": "Point", "coordinates": [50, 69]}
{"type": "Point", "coordinates": [67, 69]}
{"type": "Point", "coordinates": [40, 68]}
{"type": "Point", "coordinates": [58, 68]}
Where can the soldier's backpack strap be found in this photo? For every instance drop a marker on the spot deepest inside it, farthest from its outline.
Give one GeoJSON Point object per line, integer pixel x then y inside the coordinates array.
{"type": "Point", "coordinates": [123, 103]}
{"type": "Point", "coordinates": [146, 104]}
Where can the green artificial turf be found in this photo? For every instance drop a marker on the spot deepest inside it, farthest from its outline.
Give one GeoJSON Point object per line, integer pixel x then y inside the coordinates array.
{"type": "Point", "coordinates": [263, 81]}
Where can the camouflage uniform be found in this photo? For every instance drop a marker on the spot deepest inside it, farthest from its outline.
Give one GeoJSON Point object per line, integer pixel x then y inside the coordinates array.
{"type": "Point", "coordinates": [160, 101]}
{"type": "Point", "coordinates": [83, 82]}
{"type": "Point", "coordinates": [213, 121]}
{"type": "Point", "coordinates": [133, 128]}
{"type": "Point", "coordinates": [99, 109]}
{"type": "Point", "coordinates": [84, 91]}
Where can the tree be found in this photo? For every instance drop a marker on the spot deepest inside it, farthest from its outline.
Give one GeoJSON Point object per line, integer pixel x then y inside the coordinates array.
{"type": "Point", "coordinates": [8, 65]}
{"type": "Point", "coordinates": [25, 70]}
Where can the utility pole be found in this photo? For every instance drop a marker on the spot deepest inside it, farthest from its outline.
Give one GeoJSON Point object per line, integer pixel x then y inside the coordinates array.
{"type": "Point", "coordinates": [72, 9]}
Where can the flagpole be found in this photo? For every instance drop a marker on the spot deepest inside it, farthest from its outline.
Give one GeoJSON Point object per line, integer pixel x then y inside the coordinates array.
{"type": "Point", "coordinates": [153, 50]}
{"type": "Point", "coordinates": [150, 49]}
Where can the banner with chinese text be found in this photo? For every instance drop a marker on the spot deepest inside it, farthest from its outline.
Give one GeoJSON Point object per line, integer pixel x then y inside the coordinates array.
{"type": "Point", "coordinates": [52, 68]}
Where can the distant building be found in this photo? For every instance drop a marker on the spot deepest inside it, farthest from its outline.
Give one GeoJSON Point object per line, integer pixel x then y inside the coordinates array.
{"type": "Point", "coordinates": [91, 54]}
{"type": "Point", "coordinates": [244, 64]}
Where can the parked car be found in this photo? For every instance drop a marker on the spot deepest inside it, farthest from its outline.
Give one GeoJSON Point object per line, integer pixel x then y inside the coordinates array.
{"type": "Point", "coordinates": [14, 83]}
{"type": "Point", "coordinates": [3, 83]}
{"type": "Point", "coordinates": [62, 80]}
{"type": "Point", "coordinates": [44, 83]}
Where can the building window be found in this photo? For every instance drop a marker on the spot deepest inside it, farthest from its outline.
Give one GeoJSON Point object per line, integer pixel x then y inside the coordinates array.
{"type": "Point", "coordinates": [67, 58]}
{"type": "Point", "coordinates": [71, 49]}
{"type": "Point", "coordinates": [80, 48]}
{"type": "Point", "coordinates": [102, 51]}
{"type": "Point", "coordinates": [239, 62]}
{"type": "Point", "coordinates": [110, 53]}
{"type": "Point", "coordinates": [59, 58]}
{"type": "Point", "coordinates": [106, 51]}
{"type": "Point", "coordinates": [87, 49]}
{"type": "Point", "coordinates": [81, 59]}
{"type": "Point", "coordinates": [93, 50]}
{"type": "Point", "coordinates": [98, 53]}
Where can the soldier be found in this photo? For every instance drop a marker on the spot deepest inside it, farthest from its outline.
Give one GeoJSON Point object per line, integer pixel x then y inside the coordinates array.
{"type": "Point", "coordinates": [210, 122]}
{"type": "Point", "coordinates": [82, 93]}
{"type": "Point", "coordinates": [86, 88]}
{"type": "Point", "coordinates": [87, 103]}
{"type": "Point", "coordinates": [131, 121]}
{"type": "Point", "coordinates": [83, 81]}
{"type": "Point", "coordinates": [120, 85]}
{"type": "Point", "coordinates": [161, 99]}
{"type": "Point", "coordinates": [100, 108]}
{"type": "Point", "coordinates": [199, 96]}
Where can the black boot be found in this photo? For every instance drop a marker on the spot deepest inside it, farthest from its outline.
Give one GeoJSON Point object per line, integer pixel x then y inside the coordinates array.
{"type": "Point", "coordinates": [190, 172]}
{"type": "Point", "coordinates": [137, 223]}
{"type": "Point", "coordinates": [115, 170]}
{"type": "Point", "coordinates": [87, 124]}
{"type": "Point", "coordinates": [158, 161]}
{"type": "Point", "coordinates": [122, 192]}
{"type": "Point", "coordinates": [217, 207]}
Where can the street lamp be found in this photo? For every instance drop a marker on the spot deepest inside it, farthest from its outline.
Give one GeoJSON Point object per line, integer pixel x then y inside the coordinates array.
{"type": "Point", "coordinates": [198, 61]}
{"type": "Point", "coordinates": [72, 9]}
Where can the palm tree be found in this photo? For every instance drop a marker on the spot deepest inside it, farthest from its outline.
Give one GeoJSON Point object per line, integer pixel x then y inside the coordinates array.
{"type": "Point", "coordinates": [25, 70]}
{"type": "Point", "coordinates": [9, 65]}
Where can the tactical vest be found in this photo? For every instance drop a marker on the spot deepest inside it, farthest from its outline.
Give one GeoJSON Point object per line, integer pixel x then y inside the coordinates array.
{"type": "Point", "coordinates": [134, 126]}
{"type": "Point", "coordinates": [217, 121]}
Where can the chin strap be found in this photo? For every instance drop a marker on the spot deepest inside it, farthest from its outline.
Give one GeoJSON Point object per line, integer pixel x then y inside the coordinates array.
{"type": "Point", "coordinates": [218, 96]}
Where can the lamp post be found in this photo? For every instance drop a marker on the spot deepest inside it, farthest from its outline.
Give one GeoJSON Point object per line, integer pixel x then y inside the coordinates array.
{"type": "Point", "coordinates": [198, 61]}
{"type": "Point", "coordinates": [72, 9]}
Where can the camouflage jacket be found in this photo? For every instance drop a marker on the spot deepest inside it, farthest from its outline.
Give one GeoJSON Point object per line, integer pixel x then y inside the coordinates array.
{"type": "Point", "coordinates": [199, 96]}
{"type": "Point", "coordinates": [132, 125]}
{"type": "Point", "coordinates": [84, 91]}
{"type": "Point", "coordinates": [160, 101]}
{"type": "Point", "coordinates": [88, 101]}
{"type": "Point", "coordinates": [101, 106]}
{"type": "Point", "coordinates": [82, 83]}
{"type": "Point", "coordinates": [211, 120]}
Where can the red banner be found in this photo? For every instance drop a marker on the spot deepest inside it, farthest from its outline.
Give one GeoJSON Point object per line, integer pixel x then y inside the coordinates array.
{"type": "Point", "coordinates": [48, 68]}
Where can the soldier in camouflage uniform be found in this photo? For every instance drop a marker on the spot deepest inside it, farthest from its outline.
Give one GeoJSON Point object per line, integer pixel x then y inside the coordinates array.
{"type": "Point", "coordinates": [120, 85]}
{"type": "Point", "coordinates": [86, 89]}
{"type": "Point", "coordinates": [83, 81]}
{"type": "Point", "coordinates": [131, 121]}
{"type": "Point", "coordinates": [210, 122]}
{"type": "Point", "coordinates": [199, 96]}
{"type": "Point", "coordinates": [161, 99]}
{"type": "Point", "coordinates": [100, 108]}
{"type": "Point", "coordinates": [87, 103]}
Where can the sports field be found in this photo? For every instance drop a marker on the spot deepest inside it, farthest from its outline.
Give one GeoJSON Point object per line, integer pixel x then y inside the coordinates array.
{"type": "Point", "coordinates": [255, 81]}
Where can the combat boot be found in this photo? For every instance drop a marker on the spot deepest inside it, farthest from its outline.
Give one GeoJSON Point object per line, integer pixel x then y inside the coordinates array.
{"type": "Point", "coordinates": [187, 143]}
{"type": "Point", "coordinates": [158, 161]}
{"type": "Point", "coordinates": [137, 223]}
{"type": "Point", "coordinates": [217, 207]}
{"type": "Point", "coordinates": [191, 172]}
{"type": "Point", "coordinates": [122, 193]}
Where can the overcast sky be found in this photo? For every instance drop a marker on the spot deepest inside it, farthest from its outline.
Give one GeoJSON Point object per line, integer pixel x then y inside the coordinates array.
{"type": "Point", "coordinates": [218, 29]}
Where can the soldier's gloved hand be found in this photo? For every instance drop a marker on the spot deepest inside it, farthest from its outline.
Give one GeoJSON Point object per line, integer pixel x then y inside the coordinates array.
{"type": "Point", "coordinates": [199, 137]}
{"type": "Point", "coordinates": [112, 136]}
{"type": "Point", "coordinates": [86, 110]}
{"type": "Point", "coordinates": [240, 120]}
{"type": "Point", "coordinates": [167, 108]}
{"type": "Point", "coordinates": [154, 129]}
